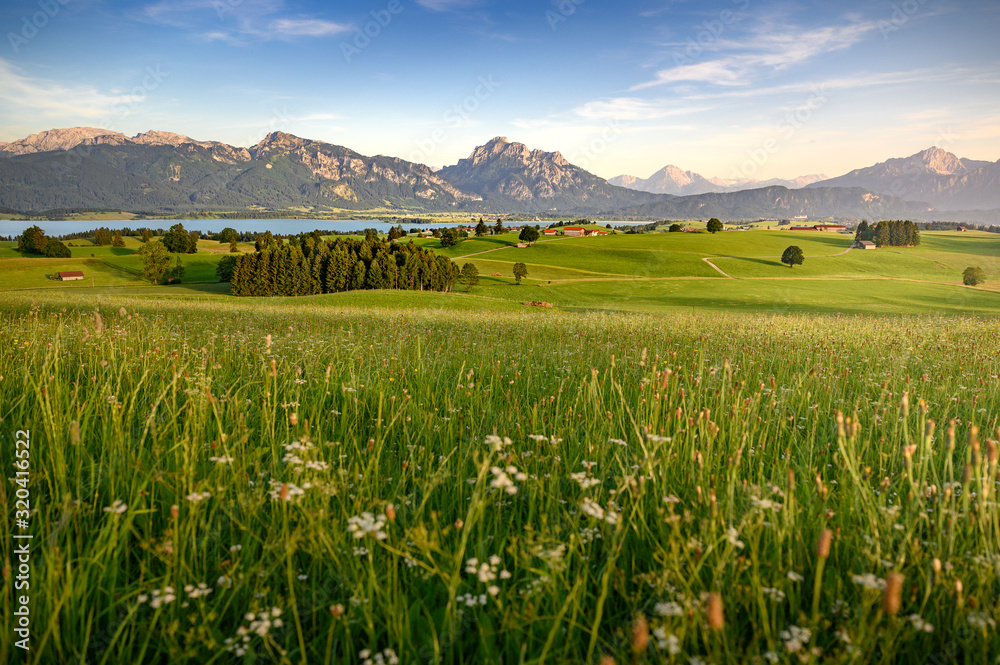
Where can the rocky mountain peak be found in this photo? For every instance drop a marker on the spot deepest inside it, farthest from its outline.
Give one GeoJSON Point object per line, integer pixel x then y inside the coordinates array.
{"type": "Point", "coordinates": [939, 161]}
{"type": "Point", "coordinates": [56, 139]}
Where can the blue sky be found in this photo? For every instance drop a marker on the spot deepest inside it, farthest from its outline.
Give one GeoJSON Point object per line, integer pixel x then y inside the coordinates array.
{"type": "Point", "coordinates": [735, 88]}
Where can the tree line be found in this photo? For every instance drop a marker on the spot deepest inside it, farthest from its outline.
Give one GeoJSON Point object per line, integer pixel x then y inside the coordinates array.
{"type": "Point", "coordinates": [889, 233]}
{"type": "Point", "coordinates": [308, 265]}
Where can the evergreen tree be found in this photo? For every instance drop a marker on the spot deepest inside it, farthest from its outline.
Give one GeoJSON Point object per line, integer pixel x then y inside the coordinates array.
{"type": "Point", "coordinates": [498, 228]}
{"type": "Point", "coordinates": [117, 240]}
{"type": "Point", "coordinates": [481, 228]}
{"type": "Point", "coordinates": [358, 276]}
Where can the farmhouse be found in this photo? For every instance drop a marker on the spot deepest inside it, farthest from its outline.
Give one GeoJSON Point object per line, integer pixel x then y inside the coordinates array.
{"type": "Point", "coordinates": [550, 232]}
{"type": "Point", "coordinates": [962, 228]}
{"type": "Point", "coordinates": [802, 228]}
{"type": "Point", "coordinates": [574, 231]}
{"type": "Point", "coordinates": [830, 227]}
{"type": "Point", "coordinates": [71, 275]}
{"type": "Point", "coordinates": [595, 232]}
{"type": "Point", "coordinates": [863, 244]}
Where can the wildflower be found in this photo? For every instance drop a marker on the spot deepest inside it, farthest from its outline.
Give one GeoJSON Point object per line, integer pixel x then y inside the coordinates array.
{"type": "Point", "coordinates": [367, 524]}
{"type": "Point", "coordinates": [981, 620]}
{"type": "Point", "coordinates": [796, 638]}
{"type": "Point", "coordinates": [225, 582]}
{"type": "Point", "coordinates": [794, 576]}
{"type": "Point", "coordinates": [197, 591]}
{"type": "Point", "coordinates": [221, 460]}
{"type": "Point", "coordinates": [869, 581]}
{"type": "Point", "coordinates": [195, 497]}
{"type": "Point", "coordinates": [776, 595]}
{"type": "Point", "coordinates": [385, 657]}
{"type": "Point", "coordinates": [670, 609]}
{"type": "Point", "coordinates": [496, 443]}
{"type": "Point", "coordinates": [158, 597]}
{"type": "Point", "coordinates": [671, 499]}
{"type": "Point", "coordinates": [504, 479]}
{"type": "Point", "coordinates": [284, 491]}
{"type": "Point", "coordinates": [117, 507]}
{"type": "Point", "coordinates": [583, 480]}
{"type": "Point", "coordinates": [733, 536]}
{"type": "Point", "coordinates": [670, 643]}
{"type": "Point", "coordinates": [235, 548]}
{"type": "Point", "coordinates": [598, 513]}
{"type": "Point", "coordinates": [920, 624]}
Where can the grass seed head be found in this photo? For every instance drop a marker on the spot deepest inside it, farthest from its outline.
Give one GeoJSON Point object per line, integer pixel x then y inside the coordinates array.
{"type": "Point", "coordinates": [640, 635]}
{"type": "Point", "coordinates": [892, 598]}
{"type": "Point", "coordinates": [823, 546]}
{"type": "Point", "coordinates": [716, 618]}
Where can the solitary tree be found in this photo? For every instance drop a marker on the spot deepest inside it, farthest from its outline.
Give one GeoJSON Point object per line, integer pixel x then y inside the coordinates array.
{"type": "Point", "coordinates": [155, 261]}
{"type": "Point", "coordinates": [714, 225]}
{"type": "Point", "coordinates": [973, 276]}
{"type": "Point", "coordinates": [233, 247]}
{"type": "Point", "coordinates": [481, 228]}
{"type": "Point", "coordinates": [528, 234]}
{"type": "Point", "coordinates": [793, 256]}
{"type": "Point", "coordinates": [498, 228]}
{"type": "Point", "coordinates": [117, 240]}
{"type": "Point", "coordinates": [675, 228]}
{"type": "Point", "coordinates": [470, 275]}
{"type": "Point", "coordinates": [449, 237]}
{"type": "Point", "coordinates": [520, 270]}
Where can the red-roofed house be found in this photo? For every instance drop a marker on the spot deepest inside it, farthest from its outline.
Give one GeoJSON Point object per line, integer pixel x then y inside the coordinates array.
{"type": "Point", "coordinates": [574, 231]}
{"type": "Point", "coordinates": [550, 232]}
{"type": "Point", "coordinates": [802, 228]}
{"type": "Point", "coordinates": [71, 275]}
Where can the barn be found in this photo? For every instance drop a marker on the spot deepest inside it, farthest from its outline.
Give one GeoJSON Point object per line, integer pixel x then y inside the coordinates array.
{"type": "Point", "coordinates": [863, 244]}
{"type": "Point", "coordinates": [71, 275]}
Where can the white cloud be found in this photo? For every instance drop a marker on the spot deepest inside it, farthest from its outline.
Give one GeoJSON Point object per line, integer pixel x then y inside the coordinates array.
{"type": "Point", "coordinates": [289, 27]}
{"type": "Point", "coordinates": [767, 49]}
{"type": "Point", "coordinates": [232, 21]}
{"type": "Point", "coordinates": [446, 5]}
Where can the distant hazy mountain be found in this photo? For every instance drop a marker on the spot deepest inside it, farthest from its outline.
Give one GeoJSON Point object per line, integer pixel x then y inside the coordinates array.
{"type": "Point", "coordinates": [672, 180]}
{"type": "Point", "coordinates": [87, 167]}
{"type": "Point", "coordinates": [511, 177]}
{"type": "Point", "coordinates": [785, 203]}
{"type": "Point", "coordinates": [933, 175]}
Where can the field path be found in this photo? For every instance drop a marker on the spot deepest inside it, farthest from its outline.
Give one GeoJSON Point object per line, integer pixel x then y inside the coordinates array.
{"type": "Point", "coordinates": [724, 273]}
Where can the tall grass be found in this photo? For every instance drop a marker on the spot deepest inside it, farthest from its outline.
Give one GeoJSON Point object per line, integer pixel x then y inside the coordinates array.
{"type": "Point", "coordinates": [349, 485]}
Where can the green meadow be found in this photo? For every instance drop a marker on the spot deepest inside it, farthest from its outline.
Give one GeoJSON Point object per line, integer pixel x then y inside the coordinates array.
{"type": "Point", "coordinates": [789, 465]}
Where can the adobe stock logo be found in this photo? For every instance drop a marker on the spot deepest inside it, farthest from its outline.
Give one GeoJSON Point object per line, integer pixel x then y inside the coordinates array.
{"type": "Point", "coordinates": [364, 35]}
{"type": "Point", "coordinates": [30, 26]}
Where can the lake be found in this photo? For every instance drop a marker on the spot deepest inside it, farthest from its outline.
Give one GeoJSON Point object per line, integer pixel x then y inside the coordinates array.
{"type": "Point", "coordinates": [276, 226]}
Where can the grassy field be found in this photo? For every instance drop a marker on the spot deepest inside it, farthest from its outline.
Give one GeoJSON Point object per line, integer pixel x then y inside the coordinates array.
{"type": "Point", "coordinates": [319, 480]}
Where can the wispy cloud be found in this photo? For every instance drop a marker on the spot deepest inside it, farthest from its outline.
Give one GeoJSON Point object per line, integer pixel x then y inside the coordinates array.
{"type": "Point", "coordinates": [234, 23]}
{"type": "Point", "coordinates": [767, 49]}
{"type": "Point", "coordinates": [447, 5]}
{"type": "Point", "coordinates": [289, 27]}
{"type": "Point", "coordinates": [27, 95]}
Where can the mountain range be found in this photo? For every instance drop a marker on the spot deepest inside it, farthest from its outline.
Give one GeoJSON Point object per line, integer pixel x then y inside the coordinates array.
{"type": "Point", "coordinates": [674, 180]}
{"type": "Point", "coordinates": [163, 172]}
{"type": "Point", "coordinates": [933, 175]}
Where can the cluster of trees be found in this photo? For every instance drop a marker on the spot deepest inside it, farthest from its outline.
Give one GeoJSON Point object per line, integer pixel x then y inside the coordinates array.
{"type": "Point", "coordinates": [179, 241]}
{"type": "Point", "coordinates": [34, 241]}
{"type": "Point", "coordinates": [307, 265]}
{"type": "Point", "coordinates": [889, 233]}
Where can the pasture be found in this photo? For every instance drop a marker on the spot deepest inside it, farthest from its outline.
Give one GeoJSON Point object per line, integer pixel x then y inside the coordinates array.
{"type": "Point", "coordinates": [321, 480]}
